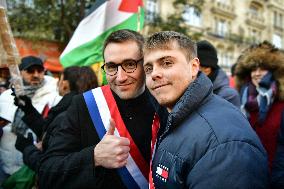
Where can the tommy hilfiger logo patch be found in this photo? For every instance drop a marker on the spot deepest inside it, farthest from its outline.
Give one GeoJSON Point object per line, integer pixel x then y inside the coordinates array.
{"type": "Point", "coordinates": [162, 172]}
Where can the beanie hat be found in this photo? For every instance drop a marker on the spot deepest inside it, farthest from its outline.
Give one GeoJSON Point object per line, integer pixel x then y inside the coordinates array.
{"type": "Point", "coordinates": [29, 61]}
{"type": "Point", "coordinates": [207, 54]}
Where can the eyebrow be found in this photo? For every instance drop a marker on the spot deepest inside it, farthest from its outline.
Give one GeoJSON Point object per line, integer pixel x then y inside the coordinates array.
{"type": "Point", "coordinates": [165, 57]}
{"type": "Point", "coordinates": [111, 62]}
{"type": "Point", "coordinates": [160, 59]}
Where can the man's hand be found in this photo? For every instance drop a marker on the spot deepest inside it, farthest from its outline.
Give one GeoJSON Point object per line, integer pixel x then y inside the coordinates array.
{"type": "Point", "coordinates": [39, 145]}
{"type": "Point", "coordinates": [22, 142]}
{"type": "Point", "coordinates": [112, 151]}
{"type": "Point", "coordinates": [24, 103]}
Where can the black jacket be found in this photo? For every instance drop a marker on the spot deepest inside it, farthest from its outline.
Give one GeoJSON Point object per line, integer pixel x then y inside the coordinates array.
{"type": "Point", "coordinates": [208, 143]}
{"type": "Point", "coordinates": [31, 154]}
{"type": "Point", "coordinates": [69, 160]}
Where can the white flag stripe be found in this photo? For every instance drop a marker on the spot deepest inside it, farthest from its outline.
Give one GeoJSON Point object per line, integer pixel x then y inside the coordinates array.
{"type": "Point", "coordinates": [102, 19]}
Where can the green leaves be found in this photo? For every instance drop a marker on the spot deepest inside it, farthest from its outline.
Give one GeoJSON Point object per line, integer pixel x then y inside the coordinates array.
{"type": "Point", "coordinates": [176, 21]}
{"type": "Point", "coordinates": [46, 19]}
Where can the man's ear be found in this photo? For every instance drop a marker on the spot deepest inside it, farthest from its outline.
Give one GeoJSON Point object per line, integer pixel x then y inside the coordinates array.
{"type": "Point", "coordinates": [195, 66]}
{"type": "Point", "coordinates": [66, 86]}
{"type": "Point", "coordinates": [206, 70]}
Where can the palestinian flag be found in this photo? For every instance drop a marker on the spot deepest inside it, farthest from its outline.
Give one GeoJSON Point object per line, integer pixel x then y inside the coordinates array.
{"type": "Point", "coordinates": [85, 46]}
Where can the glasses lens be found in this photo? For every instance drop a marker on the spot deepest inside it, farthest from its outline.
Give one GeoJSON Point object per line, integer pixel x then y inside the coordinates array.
{"type": "Point", "coordinates": [129, 65]}
{"type": "Point", "coordinates": [110, 68]}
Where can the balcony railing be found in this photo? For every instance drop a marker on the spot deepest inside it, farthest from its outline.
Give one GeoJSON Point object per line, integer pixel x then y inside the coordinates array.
{"type": "Point", "coordinates": [255, 20]}
{"type": "Point", "coordinates": [223, 9]}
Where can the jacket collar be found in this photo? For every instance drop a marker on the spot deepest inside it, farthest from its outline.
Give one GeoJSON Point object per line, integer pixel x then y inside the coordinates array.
{"type": "Point", "coordinates": [196, 94]}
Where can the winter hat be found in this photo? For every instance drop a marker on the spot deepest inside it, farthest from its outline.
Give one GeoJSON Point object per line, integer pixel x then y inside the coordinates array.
{"type": "Point", "coordinates": [29, 61]}
{"type": "Point", "coordinates": [207, 54]}
{"type": "Point", "coordinates": [264, 55]}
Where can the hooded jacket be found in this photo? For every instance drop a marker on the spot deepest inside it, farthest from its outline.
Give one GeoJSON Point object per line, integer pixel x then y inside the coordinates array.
{"type": "Point", "coordinates": [222, 88]}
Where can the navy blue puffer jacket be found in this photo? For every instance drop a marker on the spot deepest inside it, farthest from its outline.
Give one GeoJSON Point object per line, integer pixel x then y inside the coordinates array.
{"type": "Point", "coordinates": [208, 144]}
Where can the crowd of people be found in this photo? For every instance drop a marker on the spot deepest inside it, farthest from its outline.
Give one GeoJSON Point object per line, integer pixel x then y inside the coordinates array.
{"type": "Point", "coordinates": [168, 118]}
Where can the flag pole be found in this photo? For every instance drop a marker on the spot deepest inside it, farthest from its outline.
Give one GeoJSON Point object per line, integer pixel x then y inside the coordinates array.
{"type": "Point", "coordinates": [11, 51]}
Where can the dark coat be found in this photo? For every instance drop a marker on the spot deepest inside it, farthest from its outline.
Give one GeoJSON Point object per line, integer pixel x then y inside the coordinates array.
{"type": "Point", "coordinates": [208, 143]}
{"type": "Point", "coordinates": [222, 88]}
{"type": "Point", "coordinates": [31, 154]}
{"type": "Point", "coordinates": [69, 160]}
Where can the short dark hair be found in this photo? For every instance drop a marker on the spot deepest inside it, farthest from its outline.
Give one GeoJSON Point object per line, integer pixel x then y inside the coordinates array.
{"type": "Point", "coordinates": [165, 40]}
{"type": "Point", "coordinates": [80, 79]}
{"type": "Point", "coordinates": [87, 79]}
{"type": "Point", "coordinates": [124, 35]}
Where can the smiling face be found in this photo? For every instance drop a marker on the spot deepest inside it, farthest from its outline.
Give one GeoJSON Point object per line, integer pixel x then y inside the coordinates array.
{"type": "Point", "coordinates": [125, 85]}
{"type": "Point", "coordinates": [257, 75]}
{"type": "Point", "coordinates": [168, 74]}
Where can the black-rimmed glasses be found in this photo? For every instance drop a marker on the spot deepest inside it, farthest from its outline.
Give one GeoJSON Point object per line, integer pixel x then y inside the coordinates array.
{"type": "Point", "coordinates": [129, 66]}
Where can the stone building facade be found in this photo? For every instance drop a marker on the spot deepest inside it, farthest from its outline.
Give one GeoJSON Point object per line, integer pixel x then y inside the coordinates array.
{"type": "Point", "coordinates": [231, 25]}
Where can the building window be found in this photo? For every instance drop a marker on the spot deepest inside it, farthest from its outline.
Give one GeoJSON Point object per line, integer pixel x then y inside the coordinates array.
{"type": "Point", "coordinates": [152, 11]}
{"type": "Point", "coordinates": [277, 19]}
{"type": "Point", "coordinates": [192, 16]}
{"type": "Point", "coordinates": [225, 59]}
{"type": "Point", "coordinates": [254, 35]}
{"type": "Point", "coordinates": [223, 2]}
{"type": "Point", "coordinates": [277, 40]}
{"type": "Point", "coordinates": [254, 11]}
{"type": "Point", "coordinates": [221, 27]}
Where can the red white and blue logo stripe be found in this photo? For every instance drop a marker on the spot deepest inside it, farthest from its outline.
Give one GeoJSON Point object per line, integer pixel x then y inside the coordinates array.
{"type": "Point", "coordinates": [162, 172]}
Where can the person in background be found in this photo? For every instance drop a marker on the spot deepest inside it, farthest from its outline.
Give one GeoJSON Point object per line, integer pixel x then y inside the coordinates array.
{"type": "Point", "coordinates": [233, 75]}
{"type": "Point", "coordinates": [73, 80]}
{"type": "Point", "coordinates": [260, 80]}
{"type": "Point", "coordinates": [10, 158]}
{"type": "Point", "coordinates": [91, 150]}
{"type": "Point", "coordinates": [42, 90]}
{"type": "Point", "coordinates": [207, 55]}
{"type": "Point", "coordinates": [207, 142]}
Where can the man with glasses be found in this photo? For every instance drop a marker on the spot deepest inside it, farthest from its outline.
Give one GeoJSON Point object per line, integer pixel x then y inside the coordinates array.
{"type": "Point", "coordinates": [104, 141]}
{"type": "Point", "coordinates": [207, 142]}
{"type": "Point", "coordinates": [41, 91]}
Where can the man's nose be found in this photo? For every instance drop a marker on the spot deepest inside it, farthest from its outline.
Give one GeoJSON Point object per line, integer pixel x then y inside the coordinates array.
{"type": "Point", "coordinates": [156, 73]}
{"type": "Point", "coordinates": [121, 74]}
{"type": "Point", "coordinates": [257, 71]}
{"type": "Point", "coordinates": [36, 73]}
